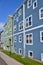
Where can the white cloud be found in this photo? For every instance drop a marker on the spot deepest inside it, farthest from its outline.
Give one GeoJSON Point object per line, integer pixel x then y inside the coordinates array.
{"type": "Point", "coordinates": [1, 25]}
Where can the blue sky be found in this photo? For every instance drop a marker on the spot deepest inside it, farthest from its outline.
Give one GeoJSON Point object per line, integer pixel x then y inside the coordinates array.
{"type": "Point", "coordinates": [8, 7]}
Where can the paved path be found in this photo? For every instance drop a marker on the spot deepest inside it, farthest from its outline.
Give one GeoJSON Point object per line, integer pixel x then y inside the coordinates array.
{"type": "Point", "coordinates": [9, 60]}
{"type": "Point", "coordinates": [2, 62]}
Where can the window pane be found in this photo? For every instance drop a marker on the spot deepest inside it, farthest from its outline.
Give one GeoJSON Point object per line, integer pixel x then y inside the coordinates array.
{"type": "Point", "coordinates": [26, 36]}
{"type": "Point", "coordinates": [29, 3]}
{"type": "Point", "coordinates": [29, 23]}
{"type": "Point", "coordinates": [29, 18]}
{"type": "Point", "coordinates": [29, 38]}
{"type": "Point", "coordinates": [30, 41]}
{"type": "Point", "coordinates": [30, 35]}
{"type": "Point", "coordinates": [20, 27]}
{"type": "Point", "coordinates": [42, 13]}
{"type": "Point", "coordinates": [35, 4]}
{"type": "Point", "coordinates": [30, 53]}
{"type": "Point", "coordinates": [42, 34]}
{"type": "Point", "coordinates": [27, 41]}
{"type": "Point", "coordinates": [20, 38]}
{"type": "Point", "coordinates": [42, 38]}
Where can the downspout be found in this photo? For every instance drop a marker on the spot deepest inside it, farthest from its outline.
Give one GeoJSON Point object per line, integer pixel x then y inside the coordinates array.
{"type": "Point", "coordinates": [24, 28]}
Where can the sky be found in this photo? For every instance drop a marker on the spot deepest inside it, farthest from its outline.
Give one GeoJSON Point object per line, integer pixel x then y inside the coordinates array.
{"type": "Point", "coordinates": [8, 7]}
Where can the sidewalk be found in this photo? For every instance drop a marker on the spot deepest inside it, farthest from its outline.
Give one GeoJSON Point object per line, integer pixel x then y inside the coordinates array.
{"type": "Point", "coordinates": [9, 60]}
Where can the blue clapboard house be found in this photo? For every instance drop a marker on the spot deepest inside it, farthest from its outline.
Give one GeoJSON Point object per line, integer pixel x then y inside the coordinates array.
{"type": "Point", "coordinates": [28, 29]}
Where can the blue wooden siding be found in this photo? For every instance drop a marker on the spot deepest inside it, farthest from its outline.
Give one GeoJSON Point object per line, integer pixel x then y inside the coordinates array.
{"type": "Point", "coordinates": [37, 46]}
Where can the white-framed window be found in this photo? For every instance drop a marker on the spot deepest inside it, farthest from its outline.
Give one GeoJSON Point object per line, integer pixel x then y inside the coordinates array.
{"type": "Point", "coordinates": [41, 36]}
{"type": "Point", "coordinates": [15, 27]}
{"type": "Point", "coordinates": [20, 38]}
{"type": "Point", "coordinates": [41, 13]}
{"type": "Point", "coordinates": [15, 38]}
{"type": "Point", "coordinates": [34, 4]}
{"type": "Point", "coordinates": [20, 26]}
{"type": "Point", "coordinates": [28, 21]}
{"type": "Point", "coordinates": [20, 51]}
{"type": "Point", "coordinates": [17, 19]}
{"type": "Point", "coordinates": [20, 12]}
{"type": "Point", "coordinates": [29, 39]}
{"type": "Point", "coordinates": [29, 3]}
{"type": "Point", "coordinates": [30, 54]}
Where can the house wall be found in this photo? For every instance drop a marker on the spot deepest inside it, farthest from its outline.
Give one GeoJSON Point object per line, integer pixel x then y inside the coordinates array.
{"type": "Point", "coordinates": [8, 30]}
{"type": "Point", "coordinates": [37, 26]}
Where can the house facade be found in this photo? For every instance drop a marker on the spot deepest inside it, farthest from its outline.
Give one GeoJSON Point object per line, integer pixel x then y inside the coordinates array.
{"type": "Point", "coordinates": [2, 39]}
{"type": "Point", "coordinates": [8, 34]}
{"type": "Point", "coordinates": [28, 29]}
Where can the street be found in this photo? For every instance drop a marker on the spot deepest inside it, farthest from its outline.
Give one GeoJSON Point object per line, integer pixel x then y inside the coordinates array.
{"type": "Point", "coordinates": [2, 62]}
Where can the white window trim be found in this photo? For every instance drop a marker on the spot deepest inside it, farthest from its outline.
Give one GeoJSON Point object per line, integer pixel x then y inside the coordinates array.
{"type": "Point", "coordinates": [40, 13]}
{"type": "Point", "coordinates": [27, 4]}
{"type": "Point", "coordinates": [21, 38]}
{"type": "Point", "coordinates": [41, 36]}
{"type": "Point", "coordinates": [19, 26]}
{"type": "Point", "coordinates": [19, 51]}
{"type": "Point", "coordinates": [28, 20]}
{"type": "Point", "coordinates": [41, 57]}
{"type": "Point", "coordinates": [32, 39]}
{"type": "Point", "coordinates": [29, 53]}
{"type": "Point", "coordinates": [33, 4]}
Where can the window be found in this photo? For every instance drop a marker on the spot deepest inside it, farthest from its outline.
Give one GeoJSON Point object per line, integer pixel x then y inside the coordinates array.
{"type": "Point", "coordinates": [20, 38]}
{"type": "Point", "coordinates": [14, 27]}
{"type": "Point", "coordinates": [17, 19]}
{"type": "Point", "coordinates": [29, 39]}
{"type": "Point", "coordinates": [20, 51]}
{"type": "Point", "coordinates": [30, 54]}
{"type": "Point", "coordinates": [20, 26]}
{"type": "Point", "coordinates": [29, 21]}
{"type": "Point", "coordinates": [41, 13]}
{"type": "Point", "coordinates": [20, 12]}
{"type": "Point", "coordinates": [34, 4]}
{"type": "Point", "coordinates": [15, 38]}
{"type": "Point", "coordinates": [41, 36]}
{"type": "Point", "coordinates": [29, 3]}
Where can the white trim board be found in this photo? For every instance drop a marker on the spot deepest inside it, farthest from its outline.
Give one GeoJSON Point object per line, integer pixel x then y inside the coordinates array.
{"type": "Point", "coordinates": [29, 29]}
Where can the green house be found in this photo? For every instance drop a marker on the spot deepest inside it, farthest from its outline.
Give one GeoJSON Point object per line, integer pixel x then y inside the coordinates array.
{"type": "Point", "coordinates": [8, 34]}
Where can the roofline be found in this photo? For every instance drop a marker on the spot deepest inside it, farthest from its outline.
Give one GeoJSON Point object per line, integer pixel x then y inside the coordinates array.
{"type": "Point", "coordinates": [8, 17]}
{"type": "Point", "coordinates": [19, 7]}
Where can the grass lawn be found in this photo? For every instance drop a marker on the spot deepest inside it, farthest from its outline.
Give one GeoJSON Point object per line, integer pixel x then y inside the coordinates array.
{"type": "Point", "coordinates": [25, 61]}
